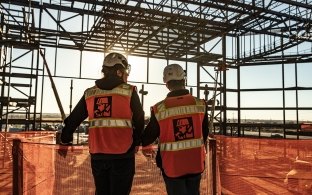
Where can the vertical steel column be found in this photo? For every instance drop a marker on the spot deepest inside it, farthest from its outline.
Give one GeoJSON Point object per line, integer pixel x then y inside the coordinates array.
{"type": "Point", "coordinates": [80, 63]}
{"type": "Point", "coordinates": [37, 77]}
{"type": "Point", "coordinates": [238, 89]}
{"type": "Point", "coordinates": [42, 89]}
{"type": "Point", "coordinates": [71, 96]}
{"type": "Point", "coordinates": [198, 79]}
{"type": "Point", "coordinates": [224, 106]}
{"type": "Point", "coordinates": [297, 111]}
{"type": "Point", "coordinates": [283, 88]}
{"type": "Point", "coordinates": [3, 67]}
{"type": "Point", "coordinates": [9, 87]}
{"type": "Point", "coordinates": [30, 99]}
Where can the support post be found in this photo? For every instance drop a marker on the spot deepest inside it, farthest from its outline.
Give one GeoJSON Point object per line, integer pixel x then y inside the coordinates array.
{"type": "Point", "coordinates": [17, 167]}
{"type": "Point", "coordinates": [213, 148]}
{"type": "Point", "coordinates": [143, 93]}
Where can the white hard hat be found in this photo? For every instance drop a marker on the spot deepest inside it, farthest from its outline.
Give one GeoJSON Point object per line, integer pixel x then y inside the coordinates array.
{"type": "Point", "coordinates": [115, 58]}
{"type": "Point", "coordinates": [173, 72]}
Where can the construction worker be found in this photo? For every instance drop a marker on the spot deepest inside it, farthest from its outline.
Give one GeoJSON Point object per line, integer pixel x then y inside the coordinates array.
{"type": "Point", "coordinates": [180, 123]}
{"type": "Point", "coordinates": [116, 122]}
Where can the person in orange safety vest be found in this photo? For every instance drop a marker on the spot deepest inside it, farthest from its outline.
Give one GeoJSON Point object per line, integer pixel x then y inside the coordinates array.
{"type": "Point", "coordinates": [116, 122]}
{"type": "Point", "coordinates": [180, 123]}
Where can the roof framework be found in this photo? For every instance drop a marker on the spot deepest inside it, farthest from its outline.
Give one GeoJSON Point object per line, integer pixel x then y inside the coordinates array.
{"type": "Point", "coordinates": [261, 31]}
{"type": "Point", "coordinates": [163, 29]}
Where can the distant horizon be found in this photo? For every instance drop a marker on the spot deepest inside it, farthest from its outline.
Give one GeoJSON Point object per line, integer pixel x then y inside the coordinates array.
{"type": "Point", "coordinates": [58, 115]}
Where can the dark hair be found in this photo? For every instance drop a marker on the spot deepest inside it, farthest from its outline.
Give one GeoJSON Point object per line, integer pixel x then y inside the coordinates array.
{"type": "Point", "coordinates": [176, 84]}
{"type": "Point", "coordinates": [112, 71]}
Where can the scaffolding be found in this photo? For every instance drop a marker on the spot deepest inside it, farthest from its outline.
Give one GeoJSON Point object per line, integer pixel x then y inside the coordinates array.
{"type": "Point", "coordinates": [239, 34]}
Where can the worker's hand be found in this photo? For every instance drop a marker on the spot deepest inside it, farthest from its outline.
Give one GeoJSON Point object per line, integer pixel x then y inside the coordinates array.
{"type": "Point", "coordinates": [210, 135]}
{"type": "Point", "coordinates": [66, 138]}
{"type": "Point", "coordinates": [148, 151]}
{"type": "Point", "coordinates": [63, 149]}
{"type": "Point", "coordinates": [137, 148]}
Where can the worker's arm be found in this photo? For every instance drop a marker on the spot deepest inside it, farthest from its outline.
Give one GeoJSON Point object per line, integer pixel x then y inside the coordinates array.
{"type": "Point", "coordinates": [151, 131]}
{"type": "Point", "coordinates": [205, 126]}
{"type": "Point", "coordinates": [137, 117]}
{"type": "Point", "coordinates": [76, 117]}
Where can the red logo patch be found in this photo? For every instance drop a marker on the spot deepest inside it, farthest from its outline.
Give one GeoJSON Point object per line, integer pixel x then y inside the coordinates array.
{"type": "Point", "coordinates": [183, 128]}
{"type": "Point", "coordinates": [102, 107]}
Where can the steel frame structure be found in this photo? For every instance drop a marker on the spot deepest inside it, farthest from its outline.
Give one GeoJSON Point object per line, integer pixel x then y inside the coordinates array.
{"type": "Point", "coordinates": [261, 32]}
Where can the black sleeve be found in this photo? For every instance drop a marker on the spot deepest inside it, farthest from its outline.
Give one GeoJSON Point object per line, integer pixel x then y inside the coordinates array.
{"type": "Point", "coordinates": [76, 117]}
{"type": "Point", "coordinates": [152, 131]}
{"type": "Point", "coordinates": [205, 125]}
{"type": "Point", "coordinates": [137, 117]}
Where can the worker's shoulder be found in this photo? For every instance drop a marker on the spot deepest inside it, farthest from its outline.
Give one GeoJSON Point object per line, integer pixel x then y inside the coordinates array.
{"type": "Point", "coordinates": [200, 100]}
{"type": "Point", "coordinates": [159, 103]}
{"type": "Point", "coordinates": [91, 88]}
{"type": "Point", "coordinates": [126, 86]}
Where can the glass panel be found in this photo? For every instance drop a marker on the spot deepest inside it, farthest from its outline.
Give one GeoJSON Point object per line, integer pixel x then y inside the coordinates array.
{"type": "Point", "coordinates": [231, 78]}
{"type": "Point", "coordinates": [156, 69]}
{"type": "Point", "coordinates": [289, 75]}
{"type": "Point", "coordinates": [304, 75]}
{"type": "Point", "coordinates": [304, 98]}
{"type": "Point", "coordinates": [138, 69]}
{"type": "Point", "coordinates": [92, 65]}
{"type": "Point", "coordinates": [290, 99]}
{"type": "Point", "coordinates": [290, 116]}
{"type": "Point", "coordinates": [269, 76]}
{"type": "Point", "coordinates": [155, 94]}
{"type": "Point", "coordinates": [191, 74]}
{"type": "Point", "coordinates": [262, 99]}
{"type": "Point", "coordinates": [231, 99]}
{"type": "Point", "coordinates": [68, 63]}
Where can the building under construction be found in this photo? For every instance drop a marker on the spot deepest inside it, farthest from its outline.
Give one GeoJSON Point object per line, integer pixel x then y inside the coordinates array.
{"type": "Point", "coordinates": [217, 40]}
{"type": "Point", "coordinates": [246, 33]}
{"type": "Point", "coordinates": [245, 56]}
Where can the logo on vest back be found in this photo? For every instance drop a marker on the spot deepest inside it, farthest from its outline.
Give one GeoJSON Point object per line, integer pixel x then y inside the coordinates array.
{"type": "Point", "coordinates": [183, 128]}
{"type": "Point", "coordinates": [103, 107]}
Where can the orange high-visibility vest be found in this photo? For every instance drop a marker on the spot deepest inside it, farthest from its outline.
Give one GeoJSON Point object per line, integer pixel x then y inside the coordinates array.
{"type": "Point", "coordinates": [110, 125]}
{"type": "Point", "coordinates": [181, 140]}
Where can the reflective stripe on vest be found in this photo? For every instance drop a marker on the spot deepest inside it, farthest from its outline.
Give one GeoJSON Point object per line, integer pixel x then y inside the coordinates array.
{"type": "Point", "coordinates": [183, 110]}
{"type": "Point", "coordinates": [182, 145]}
{"type": "Point", "coordinates": [117, 90]}
{"type": "Point", "coordinates": [111, 123]}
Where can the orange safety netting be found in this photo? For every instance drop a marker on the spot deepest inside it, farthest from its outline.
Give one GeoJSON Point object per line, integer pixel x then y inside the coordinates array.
{"type": "Point", "coordinates": [265, 166]}
{"type": "Point", "coordinates": [245, 166]}
{"type": "Point", "coordinates": [46, 171]}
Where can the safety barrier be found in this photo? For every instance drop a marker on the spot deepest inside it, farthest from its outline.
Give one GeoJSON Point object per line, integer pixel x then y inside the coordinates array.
{"type": "Point", "coordinates": [265, 166]}
{"type": "Point", "coordinates": [53, 169]}
{"type": "Point", "coordinates": [243, 166]}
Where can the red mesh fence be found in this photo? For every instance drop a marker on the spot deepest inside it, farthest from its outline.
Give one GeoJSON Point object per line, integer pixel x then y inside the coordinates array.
{"type": "Point", "coordinates": [246, 166]}
{"type": "Point", "coordinates": [46, 170]}
{"type": "Point", "coordinates": [6, 158]}
{"type": "Point", "coordinates": [265, 166]}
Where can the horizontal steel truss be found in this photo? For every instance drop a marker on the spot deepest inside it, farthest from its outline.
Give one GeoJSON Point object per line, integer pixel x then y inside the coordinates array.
{"type": "Point", "coordinates": [160, 29]}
